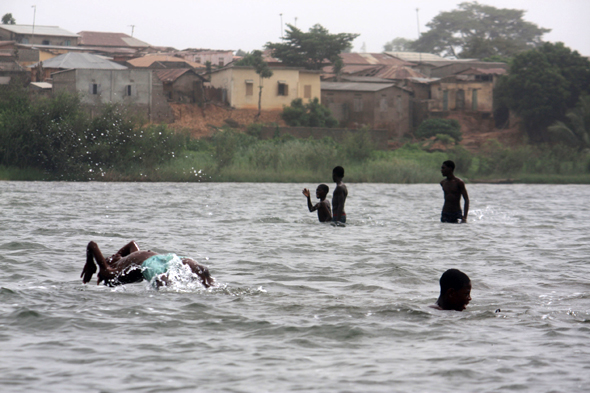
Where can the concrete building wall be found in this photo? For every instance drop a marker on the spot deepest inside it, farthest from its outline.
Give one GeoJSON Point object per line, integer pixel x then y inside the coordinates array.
{"type": "Point", "coordinates": [138, 89]}
{"type": "Point", "coordinates": [283, 87]}
{"type": "Point", "coordinates": [37, 39]}
{"type": "Point", "coordinates": [310, 86]}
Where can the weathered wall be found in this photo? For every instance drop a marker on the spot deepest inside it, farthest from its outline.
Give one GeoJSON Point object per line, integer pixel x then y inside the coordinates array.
{"type": "Point", "coordinates": [385, 109]}
{"type": "Point", "coordinates": [380, 137]}
{"type": "Point", "coordinates": [485, 96]}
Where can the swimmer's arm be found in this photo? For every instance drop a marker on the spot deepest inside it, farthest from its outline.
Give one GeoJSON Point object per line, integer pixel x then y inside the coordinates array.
{"type": "Point", "coordinates": [128, 248]}
{"type": "Point", "coordinates": [311, 207]}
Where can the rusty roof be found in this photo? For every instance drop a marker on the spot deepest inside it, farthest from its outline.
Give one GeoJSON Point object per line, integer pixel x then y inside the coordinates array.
{"type": "Point", "coordinates": [173, 74]}
{"type": "Point", "coordinates": [356, 86]}
{"type": "Point", "coordinates": [148, 60]}
{"type": "Point", "coordinates": [98, 38]}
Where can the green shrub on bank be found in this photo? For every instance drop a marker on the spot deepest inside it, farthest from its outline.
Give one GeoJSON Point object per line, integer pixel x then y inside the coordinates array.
{"type": "Point", "coordinates": [433, 127]}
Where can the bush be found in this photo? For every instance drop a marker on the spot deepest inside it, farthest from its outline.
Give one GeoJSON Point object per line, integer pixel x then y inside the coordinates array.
{"type": "Point", "coordinates": [433, 127]}
{"type": "Point", "coordinates": [312, 114]}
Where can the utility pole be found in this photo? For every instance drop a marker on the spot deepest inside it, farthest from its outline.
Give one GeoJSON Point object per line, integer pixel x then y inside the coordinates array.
{"type": "Point", "coordinates": [418, 26]}
{"type": "Point", "coordinates": [34, 15]}
{"type": "Point", "coordinates": [132, 29]}
{"type": "Point", "coordinates": [281, 15]}
{"type": "Point", "coordinates": [295, 21]}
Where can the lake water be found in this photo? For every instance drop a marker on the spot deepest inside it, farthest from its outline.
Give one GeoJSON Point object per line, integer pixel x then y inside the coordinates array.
{"type": "Point", "coordinates": [301, 306]}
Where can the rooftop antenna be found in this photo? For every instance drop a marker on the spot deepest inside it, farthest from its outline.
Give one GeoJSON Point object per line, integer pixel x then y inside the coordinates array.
{"type": "Point", "coordinates": [132, 29]}
{"type": "Point", "coordinates": [34, 15]}
{"type": "Point", "coordinates": [281, 15]}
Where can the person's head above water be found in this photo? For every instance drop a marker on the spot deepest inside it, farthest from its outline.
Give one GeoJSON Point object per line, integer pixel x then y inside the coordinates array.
{"type": "Point", "coordinates": [322, 191]}
{"type": "Point", "coordinates": [455, 290]}
{"type": "Point", "coordinates": [338, 173]}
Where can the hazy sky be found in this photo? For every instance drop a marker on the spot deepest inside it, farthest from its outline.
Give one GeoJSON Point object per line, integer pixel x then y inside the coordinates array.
{"type": "Point", "coordinates": [249, 24]}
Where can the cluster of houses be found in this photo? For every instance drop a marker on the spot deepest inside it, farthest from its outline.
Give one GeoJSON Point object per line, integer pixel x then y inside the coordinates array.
{"type": "Point", "coordinates": [394, 91]}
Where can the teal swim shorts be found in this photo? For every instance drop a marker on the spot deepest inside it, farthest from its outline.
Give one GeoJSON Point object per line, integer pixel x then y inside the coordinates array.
{"type": "Point", "coordinates": [156, 265]}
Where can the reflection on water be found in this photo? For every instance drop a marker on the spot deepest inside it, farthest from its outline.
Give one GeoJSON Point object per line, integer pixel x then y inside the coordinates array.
{"type": "Point", "coordinates": [299, 305]}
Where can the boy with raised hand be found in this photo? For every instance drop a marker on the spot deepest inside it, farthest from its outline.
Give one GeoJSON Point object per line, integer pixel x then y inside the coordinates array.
{"type": "Point", "coordinates": [323, 206]}
{"type": "Point", "coordinates": [455, 291]}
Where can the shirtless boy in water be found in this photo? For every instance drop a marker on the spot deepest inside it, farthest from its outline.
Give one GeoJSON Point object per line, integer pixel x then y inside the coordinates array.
{"type": "Point", "coordinates": [339, 196]}
{"type": "Point", "coordinates": [453, 188]}
{"type": "Point", "coordinates": [323, 206]}
{"type": "Point", "coordinates": [130, 264]}
{"type": "Point", "coordinates": [455, 291]}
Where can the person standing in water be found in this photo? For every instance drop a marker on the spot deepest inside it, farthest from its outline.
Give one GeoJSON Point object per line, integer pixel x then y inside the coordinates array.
{"type": "Point", "coordinates": [339, 196]}
{"type": "Point", "coordinates": [323, 206]}
{"type": "Point", "coordinates": [453, 188]}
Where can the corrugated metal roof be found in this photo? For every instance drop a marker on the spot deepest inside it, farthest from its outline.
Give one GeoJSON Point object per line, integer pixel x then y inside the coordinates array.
{"type": "Point", "coordinates": [370, 59]}
{"type": "Point", "coordinates": [148, 60]}
{"type": "Point", "coordinates": [98, 38]}
{"type": "Point", "coordinates": [172, 74]}
{"type": "Point", "coordinates": [39, 30]}
{"type": "Point", "coordinates": [74, 60]}
{"type": "Point", "coordinates": [483, 71]}
{"type": "Point", "coordinates": [355, 86]}
{"type": "Point", "coordinates": [416, 56]}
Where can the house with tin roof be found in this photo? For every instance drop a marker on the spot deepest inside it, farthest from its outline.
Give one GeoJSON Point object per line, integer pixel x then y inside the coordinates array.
{"type": "Point", "coordinates": [73, 60]}
{"type": "Point", "coordinates": [38, 35]}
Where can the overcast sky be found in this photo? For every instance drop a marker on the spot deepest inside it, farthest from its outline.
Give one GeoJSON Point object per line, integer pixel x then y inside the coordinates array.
{"type": "Point", "coordinates": [249, 24]}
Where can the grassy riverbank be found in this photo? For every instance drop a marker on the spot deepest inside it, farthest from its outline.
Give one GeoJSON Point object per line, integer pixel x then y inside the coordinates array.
{"type": "Point", "coordinates": [54, 139]}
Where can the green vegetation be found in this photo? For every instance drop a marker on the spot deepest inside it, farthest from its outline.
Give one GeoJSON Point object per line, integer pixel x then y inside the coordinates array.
{"type": "Point", "coordinates": [468, 32]}
{"type": "Point", "coordinates": [312, 114]}
{"type": "Point", "coordinates": [542, 85]}
{"type": "Point", "coordinates": [310, 50]}
{"type": "Point", "coordinates": [436, 127]}
{"type": "Point", "coordinates": [54, 139]}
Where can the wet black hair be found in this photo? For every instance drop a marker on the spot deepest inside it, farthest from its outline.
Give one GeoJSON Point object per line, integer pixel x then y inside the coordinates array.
{"type": "Point", "coordinates": [449, 164]}
{"type": "Point", "coordinates": [453, 278]}
{"type": "Point", "coordinates": [338, 171]}
{"type": "Point", "coordinates": [325, 188]}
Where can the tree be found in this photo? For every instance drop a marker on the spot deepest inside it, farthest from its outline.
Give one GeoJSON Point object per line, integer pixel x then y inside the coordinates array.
{"type": "Point", "coordinates": [312, 114]}
{"type": "Point", "coordinates": [542, 85]}
{"type": "Point", "coordinates": [398, 44]}
{"type": "Point", "coordinates": [476, 31]}
{"type": "Point", "coordinates": [311, 49]}
{"type": "Point", "coordinates": [7, 19]}
{"type": "Point", "coordinates": [255, 60]}
{"type": "Point", "coordinates": [576, 129]}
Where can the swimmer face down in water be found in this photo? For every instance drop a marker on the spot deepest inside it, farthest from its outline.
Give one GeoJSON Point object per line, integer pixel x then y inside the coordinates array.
{"type": "Point", "coordinates": [455, 291]}
{"type": "Point", "coordinates": [125, 266]}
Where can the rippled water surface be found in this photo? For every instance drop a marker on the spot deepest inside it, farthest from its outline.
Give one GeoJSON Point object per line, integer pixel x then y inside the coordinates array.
{"type": "Point", "coordinates": [301, 306]}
